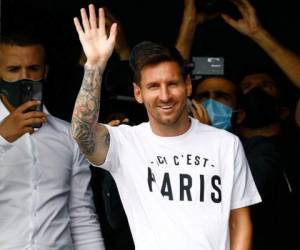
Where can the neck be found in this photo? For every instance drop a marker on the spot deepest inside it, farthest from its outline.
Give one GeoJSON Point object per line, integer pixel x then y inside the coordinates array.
{"type": "Point", "coordinates": [174, 129]}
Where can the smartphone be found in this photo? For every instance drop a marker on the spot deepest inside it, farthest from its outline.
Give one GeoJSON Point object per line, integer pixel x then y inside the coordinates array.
{"type": "Point", "coordinates": [32, 90]}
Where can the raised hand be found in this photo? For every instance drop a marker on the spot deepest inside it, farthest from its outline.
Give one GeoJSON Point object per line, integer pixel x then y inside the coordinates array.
{"type": "Point", "coordinates": [249, 24]}
{"type": "Point", "coordinates": [97, 46]}
{"type": "Point", "coordinates": [20, 122]}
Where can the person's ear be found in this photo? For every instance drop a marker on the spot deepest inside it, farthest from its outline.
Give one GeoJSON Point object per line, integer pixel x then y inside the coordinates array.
{"type": "Point", "coordinates": [46, 71]}
{"type": "Point", "coordinates": [137, 93]}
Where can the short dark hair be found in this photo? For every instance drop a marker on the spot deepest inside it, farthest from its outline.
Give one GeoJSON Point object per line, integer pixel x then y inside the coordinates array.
{"type": "Point", "coordinates": [22, 35]}
{"type": "Point", "coordinates": [150, 53]}
{"type": "Point", "coordinates": [22, 39]}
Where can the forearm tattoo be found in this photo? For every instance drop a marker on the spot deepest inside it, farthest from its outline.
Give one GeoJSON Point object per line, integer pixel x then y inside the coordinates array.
{"type": "Point", "coordinates": [86, 110]}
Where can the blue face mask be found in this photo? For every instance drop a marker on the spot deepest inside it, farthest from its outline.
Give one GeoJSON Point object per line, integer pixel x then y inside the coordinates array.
{"type": "Point", "coordinates": [219, 114]}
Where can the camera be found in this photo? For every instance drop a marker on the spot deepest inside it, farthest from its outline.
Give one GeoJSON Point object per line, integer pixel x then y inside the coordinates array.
{"type": "Point", "coordinates": [203, 66]}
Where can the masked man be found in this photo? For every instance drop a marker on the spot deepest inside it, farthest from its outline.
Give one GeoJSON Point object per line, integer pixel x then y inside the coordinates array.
{"type": "Point", "coordinates": [45, 199]}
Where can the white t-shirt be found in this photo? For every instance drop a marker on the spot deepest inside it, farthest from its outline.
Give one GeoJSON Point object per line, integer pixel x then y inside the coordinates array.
{"type": "Point", "coordinates": [178, 191]}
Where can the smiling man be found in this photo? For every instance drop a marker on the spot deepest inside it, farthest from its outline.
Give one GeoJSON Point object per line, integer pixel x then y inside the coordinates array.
{"type": "Point", "coordinates": [183, 184]}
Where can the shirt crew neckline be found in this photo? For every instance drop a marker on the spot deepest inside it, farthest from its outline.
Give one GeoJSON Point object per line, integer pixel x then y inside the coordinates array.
{"type": "Point", "coordinates": [172, 139]}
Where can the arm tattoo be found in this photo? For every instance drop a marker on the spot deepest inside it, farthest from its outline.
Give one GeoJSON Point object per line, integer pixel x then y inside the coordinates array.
{"type": "Point", "coordinates": [86, 110]}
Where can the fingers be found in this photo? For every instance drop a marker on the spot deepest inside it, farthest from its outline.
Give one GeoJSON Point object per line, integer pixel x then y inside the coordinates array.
{"type": "Point", "coordinates": [32, 117]}
{"type": "Point", "coordinates": [200, 113]}
{"type": "Point", "coordinates": [248, 6]}
{"type": "Point", "coordinates": [244, 7]}
{"type": "Point", "coordinates": [29, 130]}
{"type": "Point", "coordinates": [241, 6]}
{"type": "Point", "coordinates": [206, 119]}
{"type": "Point", "coordinates": [32, 121]}
{"type": "Point", "coordinates": [125, 120]}
{"type": "Point", "coordinates": [118, 122]}
{"type": "Point", "coordinates": [88, 23]}
{"type": "Point", "coordinates": [114, 122]}
{"type": "Point", "coordinates": [94, 23]}
{"type": "Point", "coordinates": [85, 20]}
{"type": "Point", "coordinates": [35, 114]}
{"type": "Point", "coordinates": [93, 18]}
{"type": "Point", "coordinates": [27, 105]}
{"type": "Point", "coordinates": [230, 21]}
{"type": "Point", "coordinates": [101, 21]}
{"type": "Point", "coordinates": [113, 33]}
{"type": "Point", "coordinates": [78, 26]}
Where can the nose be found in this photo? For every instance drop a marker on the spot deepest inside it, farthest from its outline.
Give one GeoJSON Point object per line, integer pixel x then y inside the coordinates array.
{"type": "Point", "coordinates": [25, 74]}
{"type": "Point", "coordinates": [164, 94]}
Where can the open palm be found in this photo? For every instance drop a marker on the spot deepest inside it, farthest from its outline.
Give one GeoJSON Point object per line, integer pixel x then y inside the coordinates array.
{"type": "Point", "coordinates": [249, 24]}
{"type": "Point", "coordinates": [97, 46]}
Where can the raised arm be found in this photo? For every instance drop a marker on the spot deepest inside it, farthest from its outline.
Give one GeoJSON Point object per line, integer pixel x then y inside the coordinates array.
{"type": "Point", "coordinates": [190, 19]}
{"type": "Point", "coordinates": [249, 25]}
{"type": "Point", "coordinates": [187, 29]}
{"type": "Point", "coordinates": [92, 137]}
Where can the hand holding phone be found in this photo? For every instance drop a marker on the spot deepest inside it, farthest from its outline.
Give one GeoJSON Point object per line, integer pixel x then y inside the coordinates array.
{"type": "Point", "coordinates": [20, 92]}
{"type": "Point", "coordinates": [20, 121]}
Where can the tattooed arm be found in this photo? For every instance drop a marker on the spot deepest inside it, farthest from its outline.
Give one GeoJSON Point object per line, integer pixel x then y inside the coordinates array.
{"type": "Point", "coordinates": [92, 137]}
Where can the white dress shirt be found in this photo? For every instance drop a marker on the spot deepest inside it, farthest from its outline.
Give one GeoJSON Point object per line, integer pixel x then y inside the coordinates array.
{"type": "Point", "coordinates": [45, 197]}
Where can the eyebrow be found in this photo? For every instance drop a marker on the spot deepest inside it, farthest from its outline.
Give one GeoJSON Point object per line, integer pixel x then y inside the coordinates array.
{"type": "Point", "coordinates": [28, 66]}
{"type": "Point", "coordinates": [220, 92]}
{"type": "Point", "coordinates": [202, 94]}
{"type": "Point", "coordinates": [149, 84]}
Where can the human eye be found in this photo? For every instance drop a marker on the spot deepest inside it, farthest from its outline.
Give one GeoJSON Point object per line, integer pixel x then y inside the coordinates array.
{"type": "Point", "coordinates": [223, 95]}
{"type": "Point", "coordinates": [202, 96]}
{"type": "Point", "coordinates": [152, 86]}
{"type": "Point", "coordinates": [35, 68]}
{"type": "Point", "coordinates": [173, 84]}
{"type": "Point", "coordinates": [13, 69]}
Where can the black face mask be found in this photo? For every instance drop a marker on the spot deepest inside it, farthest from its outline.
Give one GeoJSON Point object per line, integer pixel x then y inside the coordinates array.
{"type": "Point", "coordinates": [21, 91]}
{"type": "Point", "coordinates": [261, 109]}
